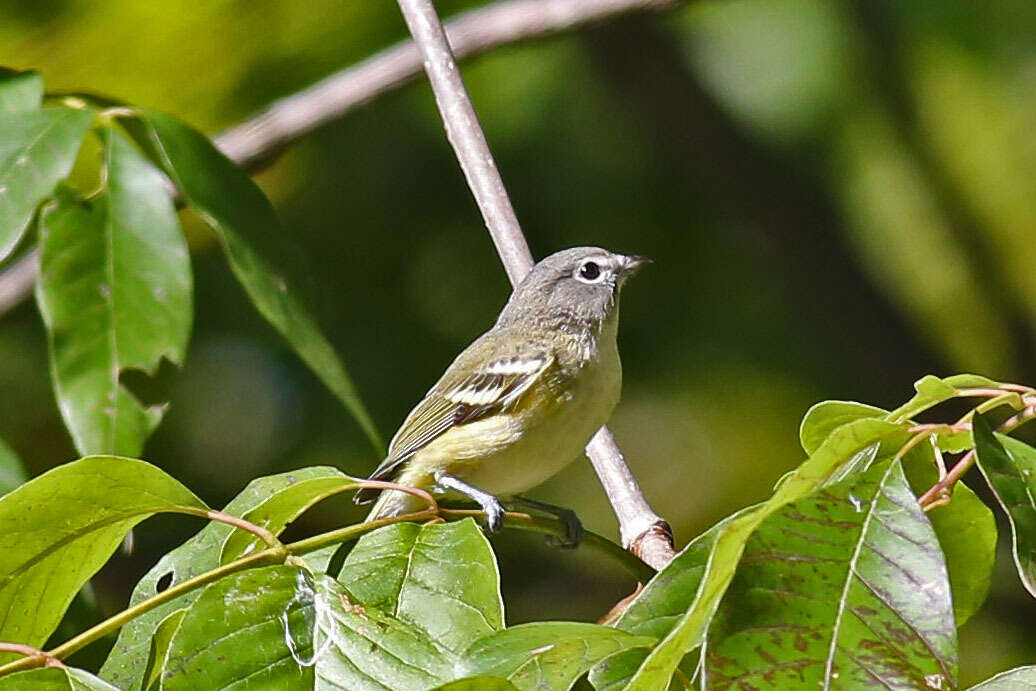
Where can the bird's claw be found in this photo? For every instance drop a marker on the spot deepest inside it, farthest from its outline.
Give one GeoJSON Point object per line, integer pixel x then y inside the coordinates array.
{"type": "Point", "coordinates": [494, 515]}
{"type": "Point", "coordinates": [573, 531]}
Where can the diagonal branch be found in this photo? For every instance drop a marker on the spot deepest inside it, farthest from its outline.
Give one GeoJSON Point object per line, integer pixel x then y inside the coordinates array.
{"type": "Point", "coordinates": [470, 33]}
{"type": "Point", "coordinates": [643, 531]}
{"type": "Point", "coordinates": [259, 139]}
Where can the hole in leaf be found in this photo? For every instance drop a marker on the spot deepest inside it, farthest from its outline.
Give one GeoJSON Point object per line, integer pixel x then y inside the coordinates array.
{"type": "Point", "coordinates": [164, 582]}
{"type": "Point", "coordinates": [151, 390]}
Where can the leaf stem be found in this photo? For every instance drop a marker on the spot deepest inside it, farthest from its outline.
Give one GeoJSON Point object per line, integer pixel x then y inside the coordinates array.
{"type": "Point", "coordinates": [312, 544]}
{"type": "Point", "coordinates": [552, 526]}
{"type": "Point", "coordinates": [31, 653]}
{"type": "Point", "coordinates": [220, 517]}
{"type": "Point", "coordinates": [278, 553]}
{"type": "Point", "coordinates": [269, 556]}
{"type": "Point", "coordinates": [643, 531]}
{"type": "Point", "coordinates": [938, 494]}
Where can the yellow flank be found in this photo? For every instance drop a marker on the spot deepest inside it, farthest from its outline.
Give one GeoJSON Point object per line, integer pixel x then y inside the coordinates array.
{"type": "Point", "coordinates": [509, 453]}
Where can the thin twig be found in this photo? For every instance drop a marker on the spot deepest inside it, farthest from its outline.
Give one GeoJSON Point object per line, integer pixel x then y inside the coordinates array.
{"type": "Point", "coordinates": [262, 136]}
{"type": "Point", "coordinates": [289, 554]}
{"type": "Point", "coordinates": [938, 493]}
{"type": "Point", "coordinates": [33, 654]}
{"type": "Point", "coordinates": [470, 33]}
{"type": "Point", "coordinates": [643, 531]}
{"type": "Point", "coordinates": [552, 527]}
{"type": "Point", "coordinates": [259, 139]}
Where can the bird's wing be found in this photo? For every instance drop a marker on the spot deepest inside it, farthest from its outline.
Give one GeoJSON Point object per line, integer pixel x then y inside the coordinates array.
{"type": "Point", "coordinates": [463, 395]}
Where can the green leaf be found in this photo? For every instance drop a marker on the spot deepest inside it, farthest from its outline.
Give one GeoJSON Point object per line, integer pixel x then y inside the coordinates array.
{"type": "Point", "coordinates": [548, 655]}
{"type": "Point", "coordinates": [238, 632]}
{"type": "Point", "coordinates": [688, 632]}
{"type": "Point", "coordinates": [838, 590]}
{"type": "Point", "coordinates": [159, 657]}
{"type": "Point", "coordinates": [967, 533]}
{"type": "Point", "coordinates": [966, 528]}
{"type": "Point", "coordinates": [270, 267]}
{"type": "Point", "coordinates": [115, 294]}
{"type": "Point", "coordinates": [659, 606]}
{"type": "Point", "coordinates": [20, 91]}
{"type": "Point", "coordinates": [361, 648]}
{"type": "Point", "coordinates": [825, 417]}
{"type": "Point", "coordinates": [1009, 467]}
{"type": "Point", "coordinates": [482, 682]}
{"type": "Point", "coordinates": [54, 679]}
{"type": "Point", "coordinates": [37, 150]}
{"type": "Point", "coordinates": [127, 661]}
{"type": "Point", "coordinates": [307, 487]}
{"type": "Point", "coordinates": [279, 627]}
{"type": "Point", "coordinates": [932, 391]}
{"type": "Point", "coordinates": [440, 578]}
{"type": "Point", "coordinates": [12, 473]}
{"type": "Point", "coordinates": [58, 529]}
{"type": "Point", "coordinates": [1018, 679]}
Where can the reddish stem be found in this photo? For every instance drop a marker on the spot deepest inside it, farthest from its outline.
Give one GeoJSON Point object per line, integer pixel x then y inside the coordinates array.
{"type": "Point", "coordinates": [31, 653]}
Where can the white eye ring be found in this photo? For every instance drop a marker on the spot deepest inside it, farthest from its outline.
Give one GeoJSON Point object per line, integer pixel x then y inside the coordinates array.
{"type": "Point", "coordinates": [590, 271]}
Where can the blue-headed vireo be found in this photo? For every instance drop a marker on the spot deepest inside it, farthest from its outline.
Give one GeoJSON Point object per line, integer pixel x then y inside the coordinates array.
{"type": "Point", "coordinates": [522, 401]}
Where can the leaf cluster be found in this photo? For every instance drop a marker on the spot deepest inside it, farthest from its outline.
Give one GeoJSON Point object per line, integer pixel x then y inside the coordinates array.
{"type": "Point", "coordinates": [857, 571]}
{"type": "Point", "coordinates": [115, 286]}
{"type": "Point", "coordinates": [841, 579]}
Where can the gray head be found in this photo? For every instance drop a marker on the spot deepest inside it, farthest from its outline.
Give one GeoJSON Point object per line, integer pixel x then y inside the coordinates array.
{"type": "Point", "coordinates": [573, 288]}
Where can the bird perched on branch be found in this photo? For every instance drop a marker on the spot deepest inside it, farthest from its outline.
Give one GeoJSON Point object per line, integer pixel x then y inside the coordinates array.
{"type": "Point", "coordinates": [524, 399]}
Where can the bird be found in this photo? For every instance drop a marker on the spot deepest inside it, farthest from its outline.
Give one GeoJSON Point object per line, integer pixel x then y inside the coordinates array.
{"type": "Point", "coordinates": [521, 401]}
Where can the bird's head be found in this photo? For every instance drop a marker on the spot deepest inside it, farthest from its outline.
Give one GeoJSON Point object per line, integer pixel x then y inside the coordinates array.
{"type": "Point", "coordinates": [577, 287]}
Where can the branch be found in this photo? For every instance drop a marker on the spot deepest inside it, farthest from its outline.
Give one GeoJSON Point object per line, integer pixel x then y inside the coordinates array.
{"type": "Point", "coordinates": [288, 554]}
{"type": "Point", "coordinates": [470, 33]}
{"type": "Point", "coordinates": [259, 139]}
{"type": "Point", "coordinates": [643, 531]}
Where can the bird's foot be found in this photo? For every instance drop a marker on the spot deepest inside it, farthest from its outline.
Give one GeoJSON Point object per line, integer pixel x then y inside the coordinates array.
{"type": "Point", "coordinates": [573, 526]}
{"type": "Point", "coordinates": [489, 504]}
{"type": "Point", "coordinates": [494, 514]}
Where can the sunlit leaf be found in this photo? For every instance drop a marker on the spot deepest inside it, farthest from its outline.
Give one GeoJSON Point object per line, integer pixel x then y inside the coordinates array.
{"type": "Point", "coordinates": [245, 631]}
{"type": "Point", "coordinates": [825, 417]}
{"type": "Point", "coordinates": [20, 91]}
{"type": "Point", "coordinates": [1018, 679]}
{"type": "Point", "coordinates": [361, 648]}
{"type": "Point", "coordinates": [480, 683]}
{"type": "Point", "coordinates": [127, 661]}
{"type": "Point", "coordinates": [688, 632]}
{"type": "Point", "coordinates": [932, 391]}
{"type": "Point", "coordinates": [1009, 467]}
{"type": "Point", "coordinates": [658, 607]}
{"type": "Point", "coordinates": [967, 533]}
{"type": "Point", "coordinates": [548, 655]}
{"type": "Point", "coordinates": [37, 150]}
{"type": "Point", "coordinates": [54, 679]}
{"type": "Point", "coordinates": [306, 487]}
{"type": "Point", "coordinates": [159, 657]}
{"type": "Point", "coordinates": [115, 294]}
{"type": "Point", "coordinates": [440, 578]}
{"type": "Point", "coordinates": [966, 528]}
{"type": "Point", "coordinates": [837, 590]}
{"type": "Point", "coordinates": [269, 266]}
{"type": "Point", "coordinates": [58, 529]}
{"type": "Point", "coordinates": [12, 473]}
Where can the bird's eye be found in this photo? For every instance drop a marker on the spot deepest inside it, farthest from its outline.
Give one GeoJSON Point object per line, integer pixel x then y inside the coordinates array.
{"type": "Point", "coordinates": [590, 271]}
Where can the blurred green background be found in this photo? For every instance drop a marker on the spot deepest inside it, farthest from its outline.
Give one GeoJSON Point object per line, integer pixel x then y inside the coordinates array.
{"type": "Point", "coordinates": [840, 197]}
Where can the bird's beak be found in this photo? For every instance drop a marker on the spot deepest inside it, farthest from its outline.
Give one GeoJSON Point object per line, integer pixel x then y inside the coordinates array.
{"type": "Point", "coordinates": [632, 263]}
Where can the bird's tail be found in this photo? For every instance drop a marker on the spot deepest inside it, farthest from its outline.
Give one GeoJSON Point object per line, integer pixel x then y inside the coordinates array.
{"type": "Point", "coordinates": [392, 502]}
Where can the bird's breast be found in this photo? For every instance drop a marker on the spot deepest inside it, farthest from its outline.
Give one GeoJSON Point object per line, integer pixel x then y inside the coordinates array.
{"type": "Point", "coordinates": [549, 431]}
